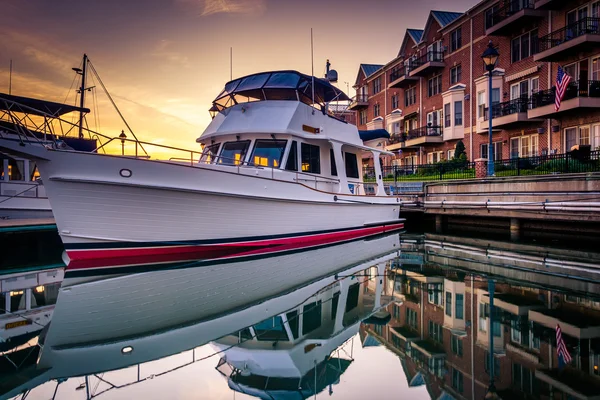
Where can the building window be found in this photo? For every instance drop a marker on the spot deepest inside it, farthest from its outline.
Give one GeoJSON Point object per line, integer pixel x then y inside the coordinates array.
{"type": "Point", "coordinates": [458, 113]}
{"type": "Point", "coordinates": [496, 151]}
{"type": "Point", "coordinates": [434, 86]}
{"type": "Point", "coordinates": [311, 158]}
{"type": "Point", "coordinates": [459, 311]}
{"type": "Point", "coordinates": [362, 116]}
{"type": "Point", "coordinates": [447, 116]}
{"type": "Point", "coordinates": [524, 146]}
{"type": "Point", "coordinates": [456, 40]}
{"type": "Point", "coordinates": [524, 46]}
{"type": "Point", "coordinates": [395, 104]}
{"type": "Point", "coordinates": [482, 101]}
{"type": "Point", "coordinates": [434, 291]}
{"type": "Point", "coordinates": [457, 380]}
{"type": "Point", "coordinates": [457, 346]}
{"type": "Point", "coordinates": [436, 332]}
{"type": "Point", "coordinates": [486, 364]}
{"type": "Point", "coordinates": [455, 74]}
{"type": "Point", "coordinates": [376, 109]}
{"type": "Point", "coordinates": [489, 21]}
{"type": "Point", "coordinates": [434, 157]}
{"type": "Point", "coordinates": [377, 85]}
{"type": "Point", "coordinates": [577, 135]}
{"type": "Point", "coordinates": [410, 96]}
{"type": "Point", "coordinates": [411, 318]}
{"type": "Point", "coordinates": [449, 304]}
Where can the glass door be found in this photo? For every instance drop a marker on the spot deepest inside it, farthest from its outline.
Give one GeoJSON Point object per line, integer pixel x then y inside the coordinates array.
{"type": "Point", "coordinates": [514, 148]}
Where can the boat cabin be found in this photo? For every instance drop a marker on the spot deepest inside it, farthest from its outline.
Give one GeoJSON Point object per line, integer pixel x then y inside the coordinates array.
{"type": "Point", "coordinates": [278, 123]}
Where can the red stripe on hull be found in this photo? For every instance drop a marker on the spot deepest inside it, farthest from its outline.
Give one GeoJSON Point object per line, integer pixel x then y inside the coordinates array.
{"type": "Point", "coordinates": [98, 258]}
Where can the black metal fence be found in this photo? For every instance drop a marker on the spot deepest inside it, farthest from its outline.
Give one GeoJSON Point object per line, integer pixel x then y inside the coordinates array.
{"type": "Point", "coordinates": [397, 74]}
{"type": "Point", "coordinates": [575, 89]}
{"type": "Point", "coordinates": [582, 160]}
{"type": "Point", "coordinates": [515, 106]}
{"type": "Point", "coordinates": [430, 56]}
{"type": "Point", "coordinates": [569, 32]}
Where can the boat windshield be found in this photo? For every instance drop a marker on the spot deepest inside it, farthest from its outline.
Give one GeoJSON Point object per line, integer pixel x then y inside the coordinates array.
{"type": "Point", "coordinates": [278, 85]}
{"type": "Point", "coordinates": [209, 155]}
{"type": "Point", "coordinates": [268, 153]}
{"type": "Point", "coordinates": [233, 153]}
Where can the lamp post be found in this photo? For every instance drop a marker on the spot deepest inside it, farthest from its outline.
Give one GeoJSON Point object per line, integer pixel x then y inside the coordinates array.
{"type": "Point", "coordinates": [122, 136]}
{"type": "Point", "coordinates": [491, 393]}
{"type": "Point", "coordinates": [490, 58]}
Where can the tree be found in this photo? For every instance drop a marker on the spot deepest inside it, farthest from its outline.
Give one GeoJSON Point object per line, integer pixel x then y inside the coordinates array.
{"type": "Point", "coordinates": [459, 151]}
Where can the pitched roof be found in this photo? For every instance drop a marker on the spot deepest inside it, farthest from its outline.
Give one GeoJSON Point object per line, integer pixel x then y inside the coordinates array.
{"type": "Point", "coordinates": [370, 69]}
{"type": "Point", "coordinates": [445, 17]}
{"type": "Point", "coordinates": [367, 70]}
{"type": "Point", "coordinates": [415, 34]}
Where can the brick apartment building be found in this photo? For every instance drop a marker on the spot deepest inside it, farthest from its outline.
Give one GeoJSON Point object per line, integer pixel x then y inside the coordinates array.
{"type": "Point", "coordinates": [434, 93]}
{"type": "Point", "coordinates": [440, 330]}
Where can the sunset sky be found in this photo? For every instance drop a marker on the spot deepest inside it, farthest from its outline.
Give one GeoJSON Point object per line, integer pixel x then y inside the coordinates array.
{"type": "Point", "coordinates": [165, 60]}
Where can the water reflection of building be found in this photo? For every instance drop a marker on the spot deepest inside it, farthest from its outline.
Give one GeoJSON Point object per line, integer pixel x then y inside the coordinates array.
{"type": "Point", "coordinates": [297, 354]}
{"type": "Point", "coordinates": [441, 329]}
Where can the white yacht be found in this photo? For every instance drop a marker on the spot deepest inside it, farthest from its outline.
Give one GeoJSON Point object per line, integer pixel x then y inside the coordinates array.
{"type": "Point", "coordinates": [107, 323]}
{"type": "Point", "coordinates": [276, 173]}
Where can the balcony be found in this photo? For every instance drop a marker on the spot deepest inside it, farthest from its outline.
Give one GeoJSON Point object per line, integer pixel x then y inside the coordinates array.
{"type": "Point", "coordinates": [579, 94]}
{"type": "Point", "coordinates": [579, 37]}
{"type": "Point", "coordinates": [359, 101]}
{"type": "Point", "coordinates": [426, 64]}
{"type": "Point", "coordinates": [424, 134]}
{"type": "Point", "coordinates": [548, 4]}
{"type": "Point", "coordinates": [512, 15]}
{"type": "Point", "coordinates": [400, 78]}
{"type": "Point", "coordinates": [509, 113]}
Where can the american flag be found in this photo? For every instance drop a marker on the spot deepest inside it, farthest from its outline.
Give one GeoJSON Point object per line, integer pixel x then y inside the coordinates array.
{"type": "Point", "coordinates": [563, 354]}
{"type": "Point", "coordinates": [562, 81]}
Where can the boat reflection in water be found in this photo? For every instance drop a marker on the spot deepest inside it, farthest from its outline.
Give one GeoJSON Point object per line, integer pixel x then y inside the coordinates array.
{"type": "Point", "coordinates": [285, 327]}
{"type": "Point", "coordinates": [107, 323]}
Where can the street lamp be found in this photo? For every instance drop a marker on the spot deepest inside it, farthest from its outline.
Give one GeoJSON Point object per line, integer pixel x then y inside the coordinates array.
{"type": "Point", "coordinates": [122, 136]}
{"type": "Point", "coordinates": [490, 58]}
{"type": "Point", "coordinates": [213, 111]}
{"type": "Point", "coordinates": [491, 393]}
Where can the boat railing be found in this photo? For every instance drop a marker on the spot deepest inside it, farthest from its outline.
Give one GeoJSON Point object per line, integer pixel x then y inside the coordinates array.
{"type": "Point", "coordinates": [20, 189]}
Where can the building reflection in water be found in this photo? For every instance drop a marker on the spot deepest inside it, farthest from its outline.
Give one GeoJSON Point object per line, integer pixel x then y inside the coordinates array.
{"type": "Point", "coordinates": [429, 304]}
{"type": "Point", "coordinates": [441, 329]}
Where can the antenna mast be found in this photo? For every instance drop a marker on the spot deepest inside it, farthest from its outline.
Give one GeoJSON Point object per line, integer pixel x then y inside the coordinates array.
{"type": "Point", "coordinates": [10, 78]}
{"type": "Point", "coordinates": [312, 67]}
{"type": "Point", "coordinates": [82, 95]}
{"type": "Point", "coordinates": [231, 63]}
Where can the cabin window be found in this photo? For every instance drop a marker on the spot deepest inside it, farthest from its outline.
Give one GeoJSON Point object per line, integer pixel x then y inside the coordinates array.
{"type": "Point", "coordinates": [209, 154]}
{"type": "Point", "coordinates": [44, 295]}
{"type": "Point", "coordinates": [351, 165]}
{"type": "Point", "coordinates": [293, 322]}
{"type": "Point", "coordinates": [311, 317]}
{"type": "Point", "coordinates": [332, 162]}
{"type": "Point", "coordinates": [352, 300]}
{"type": "Point", "coordinates": [271, 329]}
{"type": "Point", "coordinates": [17, 300]}
{"type": "Point", "coordinates": [233, 153]}
{"type": "Point", "coordinates": [268, 153]}
{"type": "Point", "coordinates": [334, 304]}
{"type": "Point", "coordinates": [292, 160]}
{"type": "Point", "coordinates": [16, 169]}
{"type": "Point", "coordinates": [311, 158]}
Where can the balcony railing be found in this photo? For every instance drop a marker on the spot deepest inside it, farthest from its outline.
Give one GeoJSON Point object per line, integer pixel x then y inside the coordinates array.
{"type": "Point", "coordinates": [397, 74]}
{"type": "Point", "coordinates": [570, 32]}
{"type": "Point", "coordinates": [509, 9]}
{"type": "Point", "coordinates": [398, 137]}
{"type": "Point", "coordinates": [574, 90]}
{"type": "Point", "coordinates": [430, 56]}
{"type": "Point", "coordinates": [360, 98]}
{"type": "Point", "coordinates": [424, 131]}
{"type": "Point", "coordinates": [510, 107]}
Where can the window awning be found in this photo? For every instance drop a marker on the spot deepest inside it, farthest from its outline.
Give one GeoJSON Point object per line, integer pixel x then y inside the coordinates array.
{"type": "Point", "coordinates": [28, 105]}
{"type": "Point", "coordinates": [522, 74]}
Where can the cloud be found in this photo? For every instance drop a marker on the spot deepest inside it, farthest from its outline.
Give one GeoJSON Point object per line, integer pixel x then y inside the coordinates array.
{"type": "Point", "coordinates": [210, 7]}
{"type": "Point", "coordinates": [164, 51]}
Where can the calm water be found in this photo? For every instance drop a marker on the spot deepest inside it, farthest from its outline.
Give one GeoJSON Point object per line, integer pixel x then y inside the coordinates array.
{"type": "Point", "coordinates": [394, 317]}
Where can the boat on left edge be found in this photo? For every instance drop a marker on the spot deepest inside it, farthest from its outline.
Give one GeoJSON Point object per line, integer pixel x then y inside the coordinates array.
{"type": "Point", "coordinates": [276, 172]}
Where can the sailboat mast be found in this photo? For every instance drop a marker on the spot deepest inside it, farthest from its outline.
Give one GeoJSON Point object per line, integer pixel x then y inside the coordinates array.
{"type": "Point", "coordinates": [82, 95]}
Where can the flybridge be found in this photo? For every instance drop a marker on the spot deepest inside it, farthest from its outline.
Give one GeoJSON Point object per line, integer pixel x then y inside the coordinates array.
{"type": "Point", "coordinates": [278, 85]}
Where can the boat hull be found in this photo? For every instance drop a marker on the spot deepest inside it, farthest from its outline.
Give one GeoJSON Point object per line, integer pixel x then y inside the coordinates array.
{"type": "Point", "coordinates": [118, 211]}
